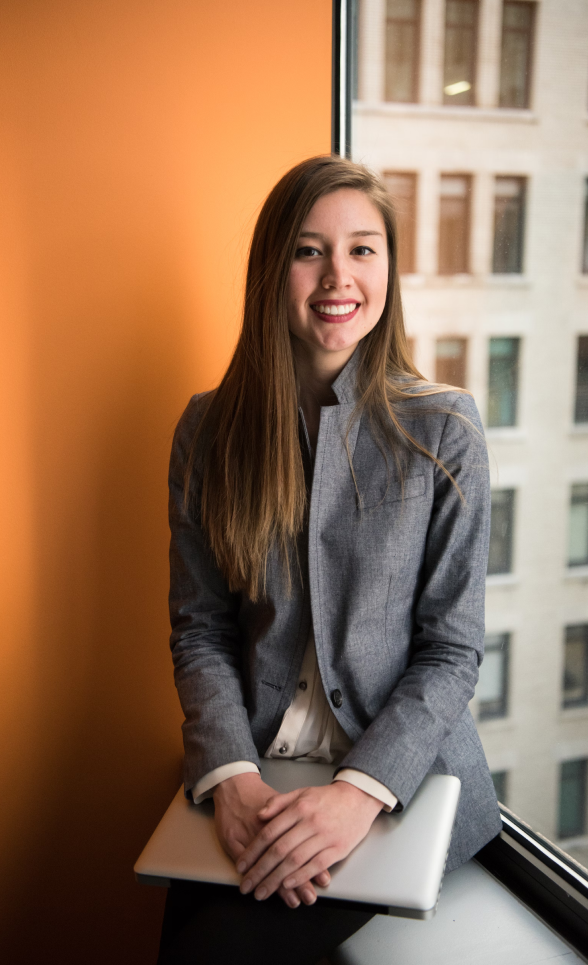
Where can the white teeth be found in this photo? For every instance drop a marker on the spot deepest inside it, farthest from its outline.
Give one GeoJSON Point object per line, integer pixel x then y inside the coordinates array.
{"type": "Point", "coordinates": [336, 309]}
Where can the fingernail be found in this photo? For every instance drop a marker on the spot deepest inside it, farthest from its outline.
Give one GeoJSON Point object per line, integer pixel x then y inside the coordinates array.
{"type": "Point", "coordinates": [308, 897]}
{"type": "Point", "coordinates": [241, 867]}
{"type": "Point", "coordinates": [246, 887]}
{"type": "Point", "coordinates": [290, 883]}
{"type": "Point", "coordinates": [260, 894]}
{"type": "Point", "coordinates": [292, 901]}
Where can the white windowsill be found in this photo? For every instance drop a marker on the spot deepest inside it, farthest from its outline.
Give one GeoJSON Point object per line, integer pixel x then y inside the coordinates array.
{"type": "Point", "coordinates": [505, 434]}
{"type": "Point", "coordinates": [579, 429]}
{"type": "Point", "coordinates": [503, 579]}
{"type": "Point", "coordinates": [464, 280]}
{"type": "Point", "coordinates": [574, 713]}
{"type": "Point", "coordinates": [492, 724]}
{"type": "Point", "coordinates": [447, 111]}
{"type": "Point", "coordinates": [582, 280]}
{"type": "Point", "coordinates": [576, 573]}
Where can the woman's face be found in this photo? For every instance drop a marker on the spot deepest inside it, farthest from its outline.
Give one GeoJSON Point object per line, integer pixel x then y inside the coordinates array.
{"type": "Point", "coordinates": [339, 277]}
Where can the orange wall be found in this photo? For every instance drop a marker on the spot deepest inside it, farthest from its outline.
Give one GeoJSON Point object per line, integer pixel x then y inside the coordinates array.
{"type": "Point", "coordinates": [140, 138]}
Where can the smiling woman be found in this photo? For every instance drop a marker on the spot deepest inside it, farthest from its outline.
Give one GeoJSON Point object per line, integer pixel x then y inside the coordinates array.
{"type": "Point", "coordinates": [322, 607]}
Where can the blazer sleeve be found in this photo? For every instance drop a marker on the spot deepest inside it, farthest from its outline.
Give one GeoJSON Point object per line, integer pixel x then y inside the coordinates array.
{"type": "Point", "coordinates": [205, 639]}
{"type": "Point", "coordinates": [401, 743]}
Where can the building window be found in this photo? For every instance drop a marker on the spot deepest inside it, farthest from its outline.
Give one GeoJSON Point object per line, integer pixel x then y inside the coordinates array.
{"type": "Point", "coordinates": [459, 66]}
{"type": "Point", "coordinates": [450, 361]}
{"type": "Point", "coordinates": [492, 689]}
{"type": "Point", "coordinates": [575, 679]}
{"type": "Point", "coordinates": [516, 53]}
{"type": "Point", "coordinates": [454, 224]}
{"type": "Point", "coordinates": [578, 533]}
{"type": "Point", "coordinates": [501, 531]}
{"type": "Point", "coordinates": [503, 381]}
{"type": "Point", "coordinates": [509, 219]}
{"type": "Point", "coordinates": [402, 50]}
{"type": "Point", "coordinates": [500, 781]}
{"type": "Point", "coordinates": [572, 798]}
{"type": "Point", "coordinates": [402, 186]}
{"type": "Point", "coordinates": [581, 412]}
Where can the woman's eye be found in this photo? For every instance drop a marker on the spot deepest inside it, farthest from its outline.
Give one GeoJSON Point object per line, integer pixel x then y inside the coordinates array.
{"type": "Point", "coordinates": [362, 250]}
{"type": "Point", "coordinates": [307, 252]}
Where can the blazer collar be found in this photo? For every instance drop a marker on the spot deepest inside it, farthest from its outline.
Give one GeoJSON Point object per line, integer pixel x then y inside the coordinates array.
{"type": "Point", "coordinates": [345, 385]}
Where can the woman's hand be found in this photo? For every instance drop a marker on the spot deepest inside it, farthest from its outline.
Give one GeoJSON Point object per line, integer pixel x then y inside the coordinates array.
{"type": "Point", "coordinates": [305, 832]}
{"type": "Point", "coordinates": [237, 803]}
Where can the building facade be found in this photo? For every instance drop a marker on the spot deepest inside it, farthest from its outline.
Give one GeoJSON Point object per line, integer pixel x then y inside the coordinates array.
{"type": "Point", "coordinates": [475, 113]}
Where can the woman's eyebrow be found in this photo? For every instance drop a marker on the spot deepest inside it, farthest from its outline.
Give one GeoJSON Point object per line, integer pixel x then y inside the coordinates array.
{"type": "Point", "coordinates": [354, 234]}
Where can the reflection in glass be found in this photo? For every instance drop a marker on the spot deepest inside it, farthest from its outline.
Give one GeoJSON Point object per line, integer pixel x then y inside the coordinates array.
{"type": "Point", "coordinates": [459, 65]}
{"type": "Point", "coordinates": [572, 798]}
{"type": "Point", "coordinates": [402, 187]}
{"type": "Point", "coordinates": [516, 53]}
{"type": "Point", "coordinates": [503, 379]}
{"type": "Point", "coordinates": [581, 408]}
{"type": "Point", "coordinates": [509, 218]}
{"type": "Point", "coordinates": [492, 688]}
{"type": "Point", "coordinates": [575, 678]}
{"type": "Point", "coordinates": [402, 50]}
{"type": "Point", "coordinates": [450, 361]}
{"type": "Point", "coordinates": [578, 531]}
{"type": "Point", "coordinates": [454, 224]}
{"type": "Point", "coordinates": [501, 529]}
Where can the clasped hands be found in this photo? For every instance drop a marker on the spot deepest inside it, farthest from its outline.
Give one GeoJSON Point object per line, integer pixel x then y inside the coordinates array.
{"type": "Point", "coordinates": [285, 843]}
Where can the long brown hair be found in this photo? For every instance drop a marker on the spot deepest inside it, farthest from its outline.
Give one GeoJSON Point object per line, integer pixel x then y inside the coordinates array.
{"type": "Point", "coordinates": [252, 493]}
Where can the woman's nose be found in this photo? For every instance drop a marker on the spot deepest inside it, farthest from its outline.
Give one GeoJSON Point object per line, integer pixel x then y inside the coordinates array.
{"type": "Point", "coordinates": [337, 274]}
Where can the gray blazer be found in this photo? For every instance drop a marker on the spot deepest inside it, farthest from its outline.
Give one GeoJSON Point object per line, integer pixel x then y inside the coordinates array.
{"type": "Point", "coordinates": [393, 583]}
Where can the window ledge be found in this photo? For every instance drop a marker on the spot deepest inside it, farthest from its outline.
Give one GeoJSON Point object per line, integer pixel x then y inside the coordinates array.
{"type": "Point", "coordinates": [447, 111]}
{"type": "Point", "coordinates": [576, 712]}
{"type": "Point", "coordinates": [465, 280]}
{"type": "Point", "coordinates": [582, 280]}
{"type": "Point", "coordinates": [579, 429]}
{"type": "Point", "coordinates": [511, 279]}
{"type": "Point", "coordinates": [576, 573]}
{"type": "Point", "coordinates": [505, 579]}
{"type": "Point", "coordinates": [505, 434]}
{"type": "Point", "coordinates": [489, 725]}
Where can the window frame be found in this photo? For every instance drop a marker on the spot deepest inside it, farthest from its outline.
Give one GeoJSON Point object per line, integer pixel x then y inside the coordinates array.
{"type": "Point", "coordinates": [531, 53]}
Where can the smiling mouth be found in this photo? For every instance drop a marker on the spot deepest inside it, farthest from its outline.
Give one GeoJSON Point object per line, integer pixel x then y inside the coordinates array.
{"type": "Point", "coordinates": [335, 312]}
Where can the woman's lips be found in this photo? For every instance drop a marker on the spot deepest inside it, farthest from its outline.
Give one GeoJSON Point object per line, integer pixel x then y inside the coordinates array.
{"type": "Point", "coordinates": [336, 317]}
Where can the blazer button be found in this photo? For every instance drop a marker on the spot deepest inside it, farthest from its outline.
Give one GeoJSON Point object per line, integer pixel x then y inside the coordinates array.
{"type": "Point", "coordinates": [337, 698]}
{"type": "Point", "coordinates": [303, 685]}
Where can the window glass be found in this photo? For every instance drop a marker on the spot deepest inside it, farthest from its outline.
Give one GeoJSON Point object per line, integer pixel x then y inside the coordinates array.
{"type": "Point", "coordinates": [578, 531]}
{"type": "Point", "coordinates": [459, 73]}
{"type": "Point", "coordinates": [581, 408]}
{"type": "Point", "coordinates": [501, 530]}
{"type": "Point", "coordinates": [402, 187]}
{"type": "Point", "coordinates": [509, 217]}
{"type": "Point", "coordinates": [503, 378]}
{"type": "Point", "coordinates": [454, 224]}
{"type": "Point", "coordinates": [402, 50]}
{"type": "Point", "coordinates": [575, 678]}
{"type": "Point", "coordinates": [451, 361]}
{"type": "Point", "coordinates": [492, 688]}
{"type": "Point", "coordinates": [500, 781]}
{"type": "Point", "coordinates": [497, 301]}
{"type": "Point", "coordinates": [572, 798]}
{"type": "Point", "coordinates": [516, 53]}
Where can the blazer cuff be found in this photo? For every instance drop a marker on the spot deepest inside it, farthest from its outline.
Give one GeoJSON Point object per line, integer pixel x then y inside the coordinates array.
{"type": "Point", "coordinates": [368, 784]}
{"type": "Point", "coordinates": [207, 784]}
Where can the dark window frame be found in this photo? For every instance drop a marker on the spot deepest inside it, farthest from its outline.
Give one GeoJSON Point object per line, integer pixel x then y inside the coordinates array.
{"type": "Point", "coordinates": [581, 397]}
{"type": "Point", "coordinates": [410, 255]}
{"type": "Point", "coordinates": [581, 701]}
{"type": "Point", "coordinates": [443, 262]}
{"type": "Point", "coordinates": [493, 408]}
{"type": "Point", "coordinates": [461, 99]}
{"type": "Point", "coordinates": [500, 249]}
{"type": "Point", "coordinates": [510, 502]}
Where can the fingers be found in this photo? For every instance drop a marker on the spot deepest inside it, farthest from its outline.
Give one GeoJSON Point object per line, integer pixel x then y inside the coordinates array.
{"type": "Point", "coordinates": [270, 833]}
{"type": "Point", "coordinates": [283, 859]}
{"type": "Point", "coordinates": [323, 880]}
{"type": "Point", "coordinates": [312, 869]}
{"type": "Point", "coordinates": [277, 804]}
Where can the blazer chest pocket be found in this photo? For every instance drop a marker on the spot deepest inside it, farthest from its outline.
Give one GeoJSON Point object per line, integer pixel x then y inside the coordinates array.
{"type": "Point", "coordinates": [395, 491]}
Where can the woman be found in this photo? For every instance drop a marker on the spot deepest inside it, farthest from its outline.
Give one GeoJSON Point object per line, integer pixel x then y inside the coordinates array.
{"type": "Point", "coordinates": [330, 515]}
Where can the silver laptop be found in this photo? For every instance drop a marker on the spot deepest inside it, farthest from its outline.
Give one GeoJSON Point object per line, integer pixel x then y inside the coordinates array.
{"type": "Point", "coordinates": [398, 866]}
